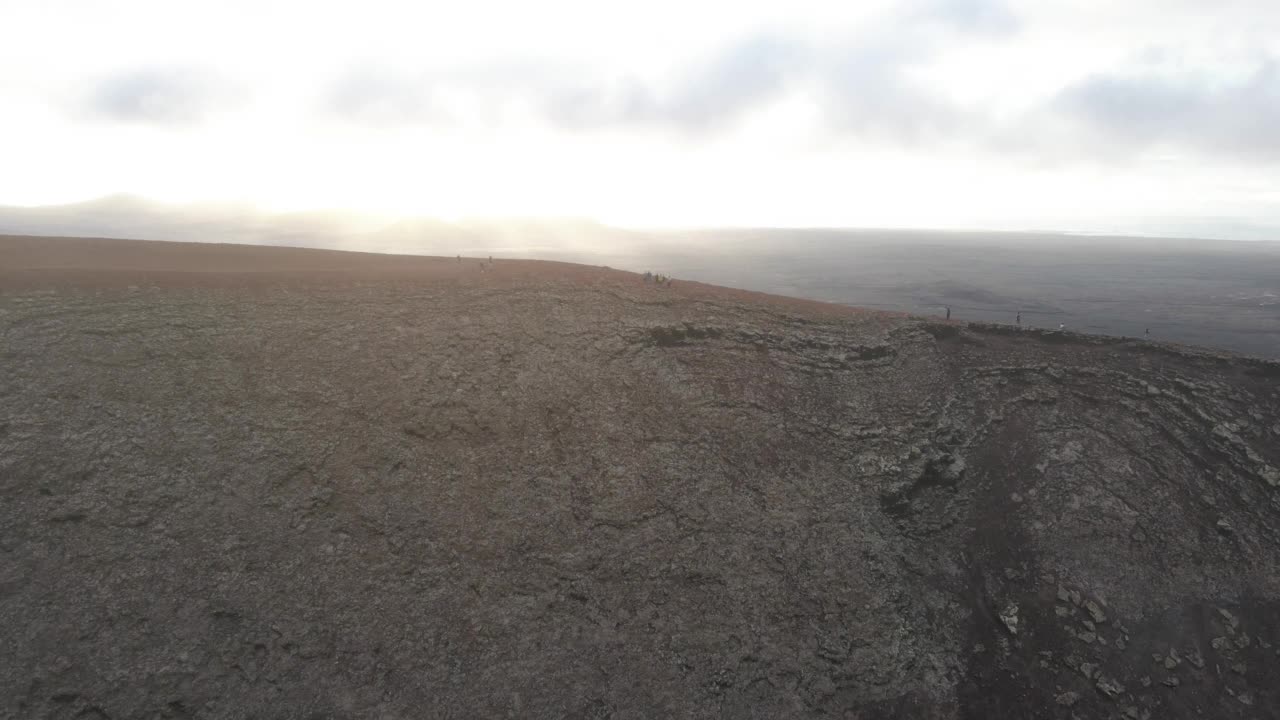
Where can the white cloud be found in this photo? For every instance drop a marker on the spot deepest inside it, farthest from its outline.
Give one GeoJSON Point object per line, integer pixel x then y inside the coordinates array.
{"type": "Point", "coordinates": [932, 112]}
{"type": "Point", "coordinates": [159, 96]}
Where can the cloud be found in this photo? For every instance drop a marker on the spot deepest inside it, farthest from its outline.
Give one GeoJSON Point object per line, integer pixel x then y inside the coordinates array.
{"type": "Point", "coordinates": [982, 16]}
{"type": "Point", "coordinates": [867, 92]}
{"type": "Point", "coordinates": [622, 102]}
{"type": "Point", "coordinates": [382, 98]}
{"type": "Point", "coordinates": [869, 84]}
{"type": "Point", "coordinates": [708, 97]}
{"type": "Point", "coordinates": [468, 95]}
{"type": "Point", "coordinates": [747, 76]}
{"type": "Point", "coordinates": [860, 82]}
{"type": "Point", "coordinates": [711, 96]}
{"type": "Point", "coordinates": [1123, 114]}
{"type": "Point", "coordinates": [157, 97]}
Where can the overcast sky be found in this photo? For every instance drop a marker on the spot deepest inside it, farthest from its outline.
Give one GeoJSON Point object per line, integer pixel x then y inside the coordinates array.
{"type": "Point", "coordinates": [1155, 116]}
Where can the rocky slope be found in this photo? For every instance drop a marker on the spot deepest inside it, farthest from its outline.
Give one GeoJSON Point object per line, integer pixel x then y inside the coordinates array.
{"type": "Point", "coordinates": [244, 482]}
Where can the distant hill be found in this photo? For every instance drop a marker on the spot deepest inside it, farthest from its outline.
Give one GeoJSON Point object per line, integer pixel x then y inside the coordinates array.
{"type": "Point", "coordinates": [127, 216]}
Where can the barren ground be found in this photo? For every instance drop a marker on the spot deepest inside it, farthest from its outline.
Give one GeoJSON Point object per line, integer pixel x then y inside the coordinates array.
{"type": "Point", "coordinates": [263, 482]}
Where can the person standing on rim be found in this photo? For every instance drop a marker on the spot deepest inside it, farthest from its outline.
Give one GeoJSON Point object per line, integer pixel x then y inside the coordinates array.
{"type": "Point", "coordinates": [948, 312]}
{"type": "Point", "coordinates": [1019, 320]}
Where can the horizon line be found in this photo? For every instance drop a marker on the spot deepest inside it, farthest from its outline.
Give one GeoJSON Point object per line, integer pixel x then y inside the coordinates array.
{"type": "Point", "coordinates": [391, 218]}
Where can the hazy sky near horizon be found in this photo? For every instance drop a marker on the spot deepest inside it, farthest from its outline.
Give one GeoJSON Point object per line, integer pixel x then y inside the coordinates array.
{"type": "Point", "coordinates": [1152, 116]}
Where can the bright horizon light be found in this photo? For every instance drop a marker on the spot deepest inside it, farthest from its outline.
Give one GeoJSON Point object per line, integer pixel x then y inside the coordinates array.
{"type": "Point", "coordinates": [1076, 116]}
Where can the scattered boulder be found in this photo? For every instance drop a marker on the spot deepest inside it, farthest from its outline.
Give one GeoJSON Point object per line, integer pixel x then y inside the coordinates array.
{"type": "Point", "coordinates": [1232, 621]}
{"type": "Point", "coordinates": [1109, 687]}
{"type": "Point", "coordinates": [1095, 611]}
{"type": "Point", "coordinates": [954, 471]}
{"type": "Point", "coordinates": [1010, 618]}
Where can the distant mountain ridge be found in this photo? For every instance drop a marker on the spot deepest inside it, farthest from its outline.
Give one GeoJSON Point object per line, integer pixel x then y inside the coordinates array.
{"type": "Point", "coordinates": [129, 216]}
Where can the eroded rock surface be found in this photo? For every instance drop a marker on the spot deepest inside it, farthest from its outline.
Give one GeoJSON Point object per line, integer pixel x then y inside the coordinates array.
{"type": "Point", "coordinates": [529, 494]}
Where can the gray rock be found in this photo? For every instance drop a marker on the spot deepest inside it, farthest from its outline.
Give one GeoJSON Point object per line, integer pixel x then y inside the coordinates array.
{"type": "Point", "coordinates": [1232, 621]}
{"type": "Point", "coordinates": [1095, 611]}
{"type": "Point", "coordinates": [1109, 687]}
{"type": "Point", "coordinates": [1009, 616]}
